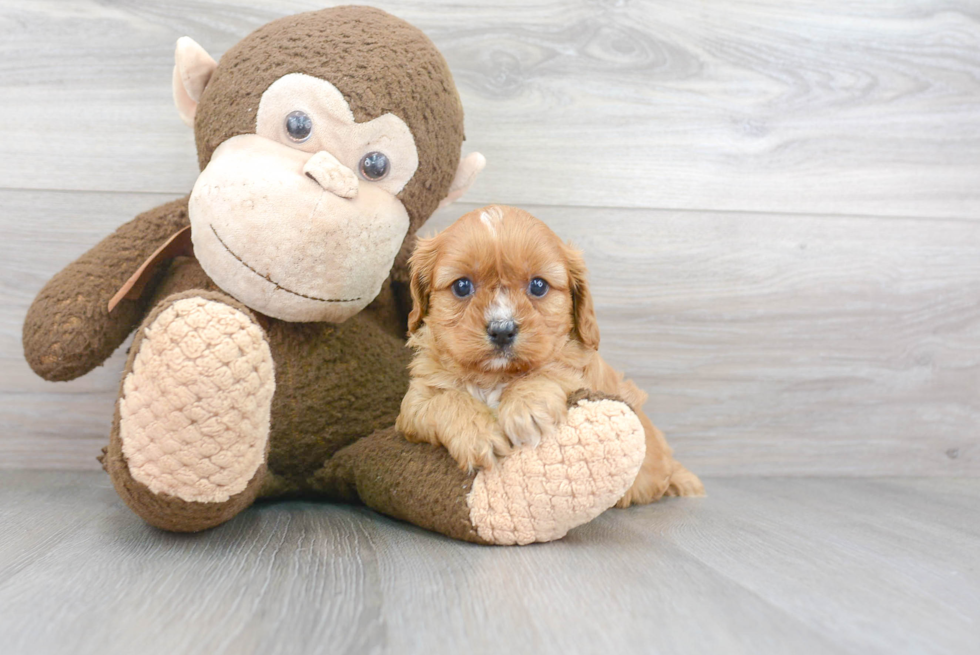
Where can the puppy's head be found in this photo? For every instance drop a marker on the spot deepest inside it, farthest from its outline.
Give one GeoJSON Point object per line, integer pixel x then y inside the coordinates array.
{"type": "Point", "coordinates": [499, 291]}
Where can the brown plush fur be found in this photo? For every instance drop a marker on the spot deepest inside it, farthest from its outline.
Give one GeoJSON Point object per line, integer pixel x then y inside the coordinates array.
{"type": "Point", "coordinates": [161, 510]}
{"type": "Point", "coordinates": [321, 369]}
{"type": "Point", "coordinates": [418, 483]}
{"type": "Point", "coordinates": [403, 74]}
{"type": "Point", "coordinates": [336, 384]}
{"type": "Point", "coordinates": [68, 330]}
{"type": "Point", "coordinates": [459, 374]}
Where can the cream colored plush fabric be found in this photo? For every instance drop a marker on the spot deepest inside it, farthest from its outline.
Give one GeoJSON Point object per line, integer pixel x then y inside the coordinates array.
{"type": "Point", "coordinates": [193, 67]}
{"type": "Point", "coordinates": [334, 129]}
{"type": "Point", "coordinates": [270, 236]}
{"type": "Point", "coordinates": [469, 167]}
{"type": "Point", "coordinates": [195, 410]}
{"type": "Point", "coordinates": [539, 494]}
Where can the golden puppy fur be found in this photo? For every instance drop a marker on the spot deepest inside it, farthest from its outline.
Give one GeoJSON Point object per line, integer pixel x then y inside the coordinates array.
{"type": "Point", "coordinates": [496, 358]}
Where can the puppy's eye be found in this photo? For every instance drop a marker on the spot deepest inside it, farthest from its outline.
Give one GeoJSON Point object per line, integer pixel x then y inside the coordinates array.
{"type": "Point", "coordinates": [299, 126]}
{"type": "Point", "coordinates": [537, 287]}
{"type": "Point", "coordinates": [374, 166]}
{"type": "Point", "coordinates": [462, 287]}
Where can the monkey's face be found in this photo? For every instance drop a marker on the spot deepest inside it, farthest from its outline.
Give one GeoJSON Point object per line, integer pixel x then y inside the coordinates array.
{"type": "Point", "coordinates": [326, 140]}
{"type": "Point", "coordinates": [301, 220]}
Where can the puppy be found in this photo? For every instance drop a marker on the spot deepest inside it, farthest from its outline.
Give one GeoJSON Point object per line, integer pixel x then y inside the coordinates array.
{"type": "Point", "coordinates": [504, 330]}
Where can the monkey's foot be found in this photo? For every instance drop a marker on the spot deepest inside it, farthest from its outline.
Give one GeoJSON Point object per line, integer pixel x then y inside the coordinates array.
{"type": "Point", "coordinates": [574, 475]}
{"type": "Point", "coordinates": [189, 443]}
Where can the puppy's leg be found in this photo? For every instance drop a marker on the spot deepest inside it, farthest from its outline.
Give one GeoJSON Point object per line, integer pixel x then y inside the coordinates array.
{"type": "Point", "coordinates": [453, 419]}
{"type": "Point", "coordinates": [531, 408]}
{"type": "Point", "coordinates": [684, 483]}
{"type": "Point", "coordinates": [654, 477]}
{"type": "Point", "coordinates": [660, 473]}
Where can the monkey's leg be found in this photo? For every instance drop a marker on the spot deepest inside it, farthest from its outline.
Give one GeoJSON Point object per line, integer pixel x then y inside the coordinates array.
{"type": "Point", "coordinates": [532, 495]}
{"type": "Point", "coordinates": [190, 435]}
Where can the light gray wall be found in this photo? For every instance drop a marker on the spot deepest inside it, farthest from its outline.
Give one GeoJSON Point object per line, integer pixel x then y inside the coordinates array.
{"type": "Point", "coordinates": [779, 203]}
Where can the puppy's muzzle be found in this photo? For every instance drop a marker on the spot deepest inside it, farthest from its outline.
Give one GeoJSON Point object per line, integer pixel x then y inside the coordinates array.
{"type": "Point", "coordinates": [502, 333]}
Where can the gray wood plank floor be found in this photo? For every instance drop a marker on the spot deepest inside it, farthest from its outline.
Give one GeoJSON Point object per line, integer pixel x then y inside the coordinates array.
{"type": "Point", "coordinates": [759, 566]}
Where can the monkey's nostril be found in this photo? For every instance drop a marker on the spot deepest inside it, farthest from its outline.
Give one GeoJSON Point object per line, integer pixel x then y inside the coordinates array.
{"type": "Point", "coordinates": [502, 333]}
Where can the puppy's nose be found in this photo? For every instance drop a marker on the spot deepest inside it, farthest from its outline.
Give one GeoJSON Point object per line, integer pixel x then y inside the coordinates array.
{"type": "Point", "coordinates": [502, 333]}
{"type": "Point", "coordinates": [324, 169]}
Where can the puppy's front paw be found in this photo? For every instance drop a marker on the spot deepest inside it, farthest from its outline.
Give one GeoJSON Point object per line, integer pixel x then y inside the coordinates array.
{"type": "Point", "coordinates": [478, 446]}
{"type": "Point", "coordinates": [525, 419]}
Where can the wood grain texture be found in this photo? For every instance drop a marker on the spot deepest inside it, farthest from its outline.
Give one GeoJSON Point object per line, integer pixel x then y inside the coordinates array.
{"type": "Point", "coordinates": [760, 566]}
{"type": "Point", "coordinates": [795, 332]}
{"type": "Point", "coordinates": [816, 107]}
{"type": "Point", "coordinates": [769, 345]}
{"type": "Point", "coordinates": [45, 424]}
{"type": "Point", "coordinates": [806, 345]}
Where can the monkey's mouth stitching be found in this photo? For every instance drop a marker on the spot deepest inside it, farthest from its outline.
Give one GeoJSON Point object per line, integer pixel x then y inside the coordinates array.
{"type": "Point", "coordinates": [269, 279]}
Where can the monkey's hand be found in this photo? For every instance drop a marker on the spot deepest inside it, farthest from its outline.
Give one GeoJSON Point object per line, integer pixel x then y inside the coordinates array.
{"type": "Point", "coordinates": [69, 329]}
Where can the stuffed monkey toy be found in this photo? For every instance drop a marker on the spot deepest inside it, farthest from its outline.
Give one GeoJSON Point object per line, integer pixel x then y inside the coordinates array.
{"type": "Point", "coordinates": [270, 304]}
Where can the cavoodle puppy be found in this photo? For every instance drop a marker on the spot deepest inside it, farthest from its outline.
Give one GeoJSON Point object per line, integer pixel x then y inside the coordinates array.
{"type": "Point", "coordinates": [504, 330]}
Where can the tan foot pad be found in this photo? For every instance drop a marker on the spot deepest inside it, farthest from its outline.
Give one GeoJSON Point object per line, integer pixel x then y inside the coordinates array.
{"type": "Point", "coordinates": [194, 413]}
{"type": "Point", "coordinates": [573, 476]}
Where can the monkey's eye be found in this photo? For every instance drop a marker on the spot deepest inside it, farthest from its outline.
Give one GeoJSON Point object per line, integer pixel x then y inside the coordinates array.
{"type": "Point", "coordinates": [462, 287]}
{"type": "Point", "coordinates": [537, 287]}
{"type": "Point", "coordinates": [299, 126]}
{"type": "Point", "coordinates": [374, 166]}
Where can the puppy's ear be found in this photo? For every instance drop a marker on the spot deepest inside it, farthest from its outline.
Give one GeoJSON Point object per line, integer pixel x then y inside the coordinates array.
{"type": "Point", "coordinates": [421, 266]}
{"type": "Point", "coordinates": [585, 327]}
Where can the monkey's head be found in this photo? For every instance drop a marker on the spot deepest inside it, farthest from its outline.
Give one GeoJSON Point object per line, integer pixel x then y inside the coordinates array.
{"type": "Point", "coordinates": [325, 140]}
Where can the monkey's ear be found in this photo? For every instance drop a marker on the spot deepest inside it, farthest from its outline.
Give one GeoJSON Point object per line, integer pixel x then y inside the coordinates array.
{"type": "Point", "coordinates": [192, 72]}
{"type": "Point", "coordinates": [585, 325]}
{"type": "Point", "coordinates": [469, 167]}
{"type": "Point", "coordinates": [421, 267]}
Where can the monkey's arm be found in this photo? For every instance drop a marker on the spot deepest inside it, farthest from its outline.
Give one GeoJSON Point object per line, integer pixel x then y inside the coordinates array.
{"type": "Point", "coordinates": [69, 329]}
